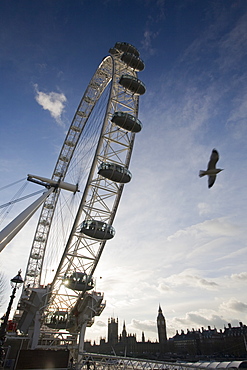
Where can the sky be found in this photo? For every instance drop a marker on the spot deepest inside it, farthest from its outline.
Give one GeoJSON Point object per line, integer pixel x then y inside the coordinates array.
{"type": "Point", "coordinates": [178, 244]}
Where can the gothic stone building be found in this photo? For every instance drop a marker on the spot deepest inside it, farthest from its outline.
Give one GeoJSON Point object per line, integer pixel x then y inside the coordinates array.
{"type": "Point", "coordinates": [126, 344]}
{"type": "Point", "coordinates": [201, 343]}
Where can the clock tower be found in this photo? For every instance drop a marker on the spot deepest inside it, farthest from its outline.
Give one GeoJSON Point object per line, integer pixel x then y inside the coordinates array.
{"type": "Point", "coordinates": [161, 325]}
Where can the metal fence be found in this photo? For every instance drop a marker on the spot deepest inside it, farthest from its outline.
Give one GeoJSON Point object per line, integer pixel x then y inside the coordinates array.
{"type": "Point", "coordinates": [90, 361]}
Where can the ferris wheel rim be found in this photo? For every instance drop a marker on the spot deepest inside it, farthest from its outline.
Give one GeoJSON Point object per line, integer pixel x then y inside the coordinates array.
{"type": "Point", "coordinates": [129, 91]}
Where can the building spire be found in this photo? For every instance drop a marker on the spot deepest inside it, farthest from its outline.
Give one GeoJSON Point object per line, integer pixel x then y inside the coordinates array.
{"type": "Point", "coordinates": [143, 337]}
{"type": "Point", "coordinates": [124, 332]}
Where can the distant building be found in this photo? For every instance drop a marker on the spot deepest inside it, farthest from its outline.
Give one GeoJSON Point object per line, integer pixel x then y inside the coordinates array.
{"type": "Point", "coordinates": [227, 343]}
{"type": "Point", "coordinates": [194, 344]}
{"type": "Point", "coordinates": [112, 331]}
{"type": "Point", "coordinates": [126, 344]}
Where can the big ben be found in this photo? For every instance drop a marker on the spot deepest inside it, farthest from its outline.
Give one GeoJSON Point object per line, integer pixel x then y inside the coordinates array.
{"type": "Point", "coordinates": [161, 325]}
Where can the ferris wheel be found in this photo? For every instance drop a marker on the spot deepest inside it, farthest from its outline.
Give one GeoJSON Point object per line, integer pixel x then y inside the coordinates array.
{"type": "Point", "coordinates": [97, 152]}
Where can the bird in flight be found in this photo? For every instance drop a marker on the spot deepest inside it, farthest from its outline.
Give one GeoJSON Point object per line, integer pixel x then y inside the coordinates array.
{"type": "Point", "coordinates": [211, 170]}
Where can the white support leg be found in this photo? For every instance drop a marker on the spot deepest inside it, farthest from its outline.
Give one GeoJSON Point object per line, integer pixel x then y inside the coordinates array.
{"type": "Point", "coordinates": [36, 331]}
{"type": "Point", "coordinates": [81, 341]}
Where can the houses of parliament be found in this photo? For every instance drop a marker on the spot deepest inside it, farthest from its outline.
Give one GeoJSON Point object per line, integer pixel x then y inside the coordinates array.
{"type": "Point", "coordinates": [231, 342]}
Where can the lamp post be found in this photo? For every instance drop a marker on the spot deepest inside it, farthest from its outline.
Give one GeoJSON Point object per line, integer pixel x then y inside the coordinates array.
{"type": "Point", "coordinates": [16, 282]}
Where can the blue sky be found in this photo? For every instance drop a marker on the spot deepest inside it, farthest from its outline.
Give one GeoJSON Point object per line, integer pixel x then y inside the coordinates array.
{"type": "Point", "coordinates": [178, 243]}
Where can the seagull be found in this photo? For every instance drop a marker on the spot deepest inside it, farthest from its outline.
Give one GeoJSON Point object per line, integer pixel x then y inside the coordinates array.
{"type": "Point", "coordinates": [211, 170]}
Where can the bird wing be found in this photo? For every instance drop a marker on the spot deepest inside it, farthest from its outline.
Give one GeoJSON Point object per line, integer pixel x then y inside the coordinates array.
{"type": "Point", "coordinates": [213, 159]}
{"type": "Point", "coordinates": [211, 180]}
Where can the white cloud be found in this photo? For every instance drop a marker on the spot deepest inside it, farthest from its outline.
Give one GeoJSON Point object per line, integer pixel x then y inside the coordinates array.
{"type": "Point", "coordinates": [237, 119]}
{"type": "Point", "coordinates": [234, 305]}
{"type": "Point", "coordinates": [233, 45]}
{"type": "Point", "coordinates": [100, 323]}
{"type": "Point", "coordinates": [240, 276]}
{"type": "Point", "coordinates": [53, 102]}
{"type": "Point", "coordinates": [213, 228]}
{"type": "Point", "coordinates": [240, 111]}
{"type": "Point", "coordinates": [149, 36]}
{"type": "Point", "coordinates": [145, 325]}
{"type": "Point", "coordinates": [187, 279]}
{"type": "Point", "coordinates": [204, 208]}
{"type": "Point", "coordinates": [156, 16]}
{"type": "Point", "coordinates": [163, 287]}
{"type": "Point", "coordinates": [198, 319]}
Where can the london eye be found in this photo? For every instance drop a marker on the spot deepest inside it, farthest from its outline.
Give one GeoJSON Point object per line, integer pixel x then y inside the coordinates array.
{"type": "Point", "coordinates": [95, 158]}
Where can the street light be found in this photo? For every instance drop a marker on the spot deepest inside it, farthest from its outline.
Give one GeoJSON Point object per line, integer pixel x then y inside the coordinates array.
{"type": "Point", "coordinates": [16, 282]}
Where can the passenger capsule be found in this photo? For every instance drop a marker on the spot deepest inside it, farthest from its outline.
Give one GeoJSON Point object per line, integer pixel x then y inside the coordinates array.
{"type": "Point", "coordinates": [81, 114]}
{"type": "Point", "coordinates": [126, 48]}
{"type": "Point", "coordinates": [127, 121]}
{"type": "Point", "coordinates": [48, 206]}
{"type": "Point", "coordinates": [132, 84]}
{"type": "Point", "coordinates": [69, 143]}
{"type": "Point", "coordinates": [115, 172]}
{"type": "Point", "coordinates": [39, 239]}
{"type": "Point", "coordinates": [88, 100]}
{"type": "Point", "coordinates": [97, 229]}
{"type": "Point", "coordinates": [76, 128]}
{"type": "Point", "coordinates": [132, 61]}
{"type": "Point", "coordinates": [58, 173]}
{"type": "Point", "coordinates": [32, 273]}
{"type": "Point", "coordinates": [78, 281]}
{"type": "Point", "coordinates": [44, 222]}
{"type": "Point", "coordinates": [36, 256]}
{"type": "Point", "coordinates": [113, 51]}
{"type": "Point", "coordinates": [59, 320]}
{"type": "Point", "coordinates": [64, 158]}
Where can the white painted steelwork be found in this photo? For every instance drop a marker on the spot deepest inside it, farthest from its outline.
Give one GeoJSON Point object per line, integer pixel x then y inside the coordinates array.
{"type": "Point", "coordinates": [10, 231]}
{"type": "Point", "coordinates": [60, 184]}
{"type": "Point", "coordinates": [102, 362]}
{"type": "Point", "coordinates": [101, 196]}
